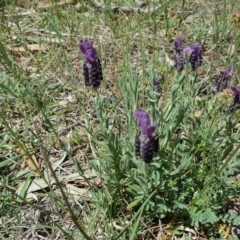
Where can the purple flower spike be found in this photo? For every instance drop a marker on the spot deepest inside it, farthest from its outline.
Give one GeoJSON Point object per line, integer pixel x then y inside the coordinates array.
{"type": "Point", "coordinates": [223, 78]}
{"type": "Point", "coordinates": [92, 69]}
{"type": "Point", "coordinates": [235, 104]}
{"type": "Point", "coordinates": [195, 52]}
{"type": "Point", "coordinates": [146, 144]}
{"type": "Point", "coordinates": [179, 60]}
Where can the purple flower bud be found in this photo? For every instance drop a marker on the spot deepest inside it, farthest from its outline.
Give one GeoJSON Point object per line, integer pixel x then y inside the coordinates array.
{"type": "Point", "coordinates": [92, 69]}
{"type": "Point", "coordinates": [195, 51]}
{"type": "Point", "coordinates": [178, 44]}
{"type": "Point", "coordinates": [146, 144]}
{"type": "Point", "coordinates": [179, 60]}
{"type": "Point", "coordinates": [235, 104]}
{"type": "Point", "coordinates": [223, 78]}
{"type": "Point", "coordinates": [157, 86]}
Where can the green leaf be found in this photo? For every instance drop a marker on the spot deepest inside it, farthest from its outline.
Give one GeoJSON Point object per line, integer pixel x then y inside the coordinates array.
{"type": "Point", "coordinates": [135, 226]}
{"type": "Point", "coordinates": [10, 160]}
{"type": "Point", "coordinates": [25, 187]}
{"type": "Point", "coordinates": [155, 164]}
{"type": "Point", "coordinates": [178, 205]}
{"type": "Point", "coordinates": [134, 203]}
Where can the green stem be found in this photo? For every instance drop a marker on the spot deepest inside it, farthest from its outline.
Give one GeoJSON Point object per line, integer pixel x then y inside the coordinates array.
{"type": "Point", "coordinates": [147, 177]}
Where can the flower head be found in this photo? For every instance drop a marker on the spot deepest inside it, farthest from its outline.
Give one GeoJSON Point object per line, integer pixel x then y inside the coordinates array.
{"type": "Point", "coordinates": [88, 51]}
{"type": "Point", "coordinates": [92, 69]}
{"type": "Point", "coordinates": [179, 60]}
{"type": "Point", "coordinates": [195, 52]}
{"type": "Point", "coordinates": [146, 144]}
{"type": "Point", "coordinates": [235, 104]}
{"type": "Point", "coordinates": [223, 78]}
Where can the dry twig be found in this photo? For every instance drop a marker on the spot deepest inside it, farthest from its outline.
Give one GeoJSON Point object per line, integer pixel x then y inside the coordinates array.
{"type": "Point", "coordinates": [73, 216]}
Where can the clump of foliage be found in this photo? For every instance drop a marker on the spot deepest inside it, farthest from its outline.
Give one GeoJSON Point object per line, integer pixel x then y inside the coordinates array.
{"type": "Point", "coordinates": [180, 165]}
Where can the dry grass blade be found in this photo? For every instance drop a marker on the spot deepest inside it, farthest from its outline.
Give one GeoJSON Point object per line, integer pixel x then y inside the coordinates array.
{"type": "Point", "coordinates": [126, 9]}
{"type": "Point", "coordinates": [47, 4]}
{"type": "Point", "coordinates": [73, 217]}
{"type": "Point", "coordinates": [31, 47]}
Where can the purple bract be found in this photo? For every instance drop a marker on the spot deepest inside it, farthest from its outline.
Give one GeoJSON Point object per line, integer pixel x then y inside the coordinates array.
{"type": "Point", "coordinates": [88, 51]}
{"type": "Point", "coordinates": [195, 52]}
{"type": "Point", "coordinates": [144, 123]}
{"type": "Point", "coordinates": [178, 44]}
{"type": "Point", "coordinates": [235, 90]}
{"type": "Point", "coordinates": [235, 104]}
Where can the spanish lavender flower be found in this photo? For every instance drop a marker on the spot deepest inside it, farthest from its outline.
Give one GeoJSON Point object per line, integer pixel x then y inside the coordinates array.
{"type": "Point", "coordinates": [223, 78]}
{"type": "Point", "coordinates": [92, 69]}
{"type": "Point", "coordinates": [157, 86]}
{"type": "Point", "coordinates": [195, 59]}
{"type": "Point", "coordinates": [179, 60]}
{"type": "Point", "coordinates": [235, 104]}
{"type": "Point", "coordinates": [146, 144]}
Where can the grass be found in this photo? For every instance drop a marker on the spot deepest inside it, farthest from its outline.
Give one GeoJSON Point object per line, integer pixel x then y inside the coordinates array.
{"type": "Point", "coordinates": [67, 162]}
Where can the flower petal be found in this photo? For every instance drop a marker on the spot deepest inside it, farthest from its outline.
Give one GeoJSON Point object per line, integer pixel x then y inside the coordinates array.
{"type": "Point", "coordinates": [193, 48]}
{"type": "Point", "coordinates": [150, 129]}
{"type": "Point", "coordinates": [188, 49]}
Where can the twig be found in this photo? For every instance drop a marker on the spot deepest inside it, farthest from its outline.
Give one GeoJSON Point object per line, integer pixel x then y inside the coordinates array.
{"type": "Point", "coordinates": [125, 9]}
{"type": "Point", "coordinates": [73, 216]}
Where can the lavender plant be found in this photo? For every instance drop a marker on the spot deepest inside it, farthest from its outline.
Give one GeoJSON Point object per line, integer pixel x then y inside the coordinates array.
{"type": "Point", "coordinates": [180, 173]}
{"type": "Point", "coordinates": [175, 157]}
{"type": "Point", "coordinates": [92, 69]}
{"type": "Point", "coordinates": [223, 79]}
